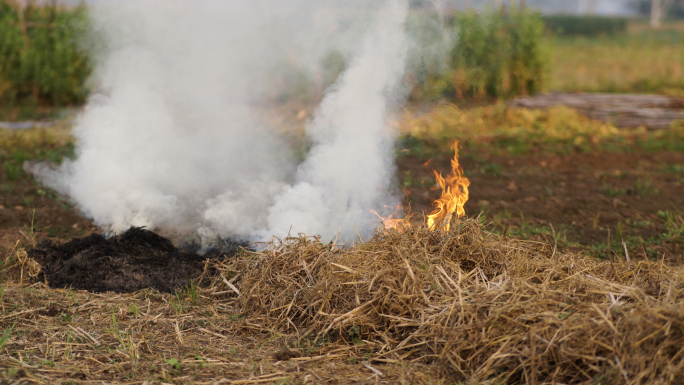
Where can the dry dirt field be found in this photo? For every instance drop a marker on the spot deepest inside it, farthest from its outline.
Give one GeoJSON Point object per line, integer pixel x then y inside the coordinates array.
{"type": "Point", "coordinates": [567, 270]}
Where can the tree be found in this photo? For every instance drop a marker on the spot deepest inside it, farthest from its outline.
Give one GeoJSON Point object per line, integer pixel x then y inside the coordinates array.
{"type": "Point", "coordinates": [658, 11]}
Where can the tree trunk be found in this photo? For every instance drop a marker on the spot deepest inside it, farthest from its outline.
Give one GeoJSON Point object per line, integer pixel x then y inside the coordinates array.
{"type": "Point", "coordinates": [656, 9]}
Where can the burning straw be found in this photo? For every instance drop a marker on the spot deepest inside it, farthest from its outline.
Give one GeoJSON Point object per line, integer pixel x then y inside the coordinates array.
{"type": "Point", "coordinates": [478, 305]}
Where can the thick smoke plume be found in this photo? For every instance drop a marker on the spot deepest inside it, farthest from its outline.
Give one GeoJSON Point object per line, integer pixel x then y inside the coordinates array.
{"type": "Point", "coordinates": [172, 136]}
{"type": "Point", "coordinates": [350, 166]}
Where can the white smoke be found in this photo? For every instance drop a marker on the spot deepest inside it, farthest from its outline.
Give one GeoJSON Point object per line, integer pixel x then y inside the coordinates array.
{"type": "Point", "coordinates": [349, 169]}
{"type": "Point", "coordinates": [171, 136]}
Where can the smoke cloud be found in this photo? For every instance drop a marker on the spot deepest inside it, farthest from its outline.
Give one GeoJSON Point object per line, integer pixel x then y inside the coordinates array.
{"type": "Point", "coordinates": [174, 136]}
{"type": "Point", "coordinates": [349, 169]}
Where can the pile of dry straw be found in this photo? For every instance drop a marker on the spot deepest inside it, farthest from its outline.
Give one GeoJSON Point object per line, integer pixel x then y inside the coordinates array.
{"type": "Point", "coordinates": [476, 305]}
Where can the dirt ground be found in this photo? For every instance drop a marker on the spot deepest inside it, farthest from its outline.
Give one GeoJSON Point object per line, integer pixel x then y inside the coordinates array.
{"type": "Point", "coordinates": [585, 198]}
{"type": "Point", "coordinates": [29, 213]}
{"type": "Point", "coordinates": [587, 202]}
{"type": "Point", "coordinates": [153, 338]}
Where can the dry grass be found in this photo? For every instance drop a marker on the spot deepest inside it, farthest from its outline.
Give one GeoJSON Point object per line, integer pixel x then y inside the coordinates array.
{"type": "Point", "coordinates": [641, 61]}
{"type": "Point", "coordinates": [477, 306]}
{"type": "Point", "coordinates": [39, 138]}
{"type": "Point", "coordinates": [557, 124]}
{"type": "Point", "coordinates": [412, 307]}
{"type": "Point", "coordinates": [499, 130]}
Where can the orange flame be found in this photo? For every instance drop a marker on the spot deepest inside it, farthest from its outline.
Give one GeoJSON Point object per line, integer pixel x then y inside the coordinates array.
{"type": "Point", "coordinates": [391, 222]}
{"type": "Point", "coordinates": [454, 196]}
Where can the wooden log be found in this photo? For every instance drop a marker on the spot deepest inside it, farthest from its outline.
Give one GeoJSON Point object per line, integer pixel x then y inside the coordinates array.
{"type": "Point", "coordinates": [623, 110]}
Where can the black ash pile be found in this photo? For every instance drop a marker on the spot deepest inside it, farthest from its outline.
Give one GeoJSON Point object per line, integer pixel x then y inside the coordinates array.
{"type": "Point", "coordinates": [134, 260]}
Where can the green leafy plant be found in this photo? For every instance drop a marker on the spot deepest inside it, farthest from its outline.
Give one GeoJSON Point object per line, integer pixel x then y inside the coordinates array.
{"type": "Point", "coordinates": [355, 334]}
{"type": "Point", "coordinates": [499, 54]}
{"type": "Point", "coordinates": [174, 363]}
{"type": "Point", "coordinates": [193, 292]}
{"type": "Point", "coordinates": [65, 317]}
{"type": "Point", "coordinates": [674, 225]}
{"type": "Point", "coordinates": [41, 61]}
{"type": "Point", "coordinates": [644, 187]}
{"type": "Point", "coordinates": [133, 309]}
{"type": "Point", "coordinates": [6, 334]}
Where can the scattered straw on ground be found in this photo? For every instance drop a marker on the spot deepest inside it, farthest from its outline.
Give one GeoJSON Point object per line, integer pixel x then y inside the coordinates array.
{"type": "Point", "coordinates": [478, 306]}
{"type": "Point", "coordinates": [412, 307]}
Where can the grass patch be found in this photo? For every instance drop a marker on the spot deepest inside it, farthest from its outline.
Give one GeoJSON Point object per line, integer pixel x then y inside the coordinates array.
{"type": "Point", "coordinates": [498, 130]}
{"type": "Point", "coordinates": [41, 62]}
{"type": "Point", "coordinates": [674, 225]}
{"type": "Point", "coordinates": [18, 146]}
{"type": "Point", "coordinates": [641, 60]}
{"type": "Point", "coordinates": [585, 25]}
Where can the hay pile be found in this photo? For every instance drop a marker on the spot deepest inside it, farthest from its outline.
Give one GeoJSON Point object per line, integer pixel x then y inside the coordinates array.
{"type": "Point", "coordinates": [477, 305]}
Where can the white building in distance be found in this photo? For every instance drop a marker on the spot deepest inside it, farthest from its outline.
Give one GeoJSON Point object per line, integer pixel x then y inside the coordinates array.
{"type": "Point", "coordinates": [592, 7]}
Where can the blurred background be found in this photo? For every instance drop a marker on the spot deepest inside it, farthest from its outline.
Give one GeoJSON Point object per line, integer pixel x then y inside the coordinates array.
{"type": "Point", "coordinates": [570, 114]}
{"type": "Point", "coordinates": [496, 49]}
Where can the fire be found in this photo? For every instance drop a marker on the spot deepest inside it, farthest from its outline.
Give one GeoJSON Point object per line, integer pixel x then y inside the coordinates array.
{"type": "Point", "coordinates": [391, 222]}
{"type": "Point", "coordinates": [454, 196]}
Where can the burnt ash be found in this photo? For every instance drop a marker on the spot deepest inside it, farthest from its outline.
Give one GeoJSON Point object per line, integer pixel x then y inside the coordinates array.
{"type": "Point", "coordinates": [134, 260]}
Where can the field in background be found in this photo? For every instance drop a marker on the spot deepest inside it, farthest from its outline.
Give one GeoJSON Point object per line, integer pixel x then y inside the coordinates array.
{"type": "Point", "coordinates": [561, 196]}
{"type": "Point", "coordinates": [43, 60]}
{"type": "Point", "coordinates": [545, 175]}
{"type": "Point", "coordinates": [554, 176]}
{"type": "Point", "coordinates": [562, 185]}
{"type": "Point", "coordinates": [642, 61]}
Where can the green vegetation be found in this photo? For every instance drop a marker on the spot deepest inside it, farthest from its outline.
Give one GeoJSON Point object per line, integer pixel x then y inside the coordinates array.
{"type": "Point", "coordinates": [641, 60]}
{"type": "Point", "coordinates": [502, 55]}
{"type": "Point", "coordinates": [6, 334]}
{"type": "Point", "coordinates": [585, 25]}
{"type": "Point", "coordinates": [498, 130]}
{"type": "Point", "coordinates": [674, 223]}
{"type": "Point", "coordinates": [16, 147]}
{"type": "Point", "coordinates": [41, 61]}
{"type": "Point", "coordinates": [497, 54]}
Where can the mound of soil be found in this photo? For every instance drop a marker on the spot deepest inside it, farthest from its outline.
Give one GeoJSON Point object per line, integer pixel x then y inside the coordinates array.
{"type": "Point", "coordinates": [134, 260]}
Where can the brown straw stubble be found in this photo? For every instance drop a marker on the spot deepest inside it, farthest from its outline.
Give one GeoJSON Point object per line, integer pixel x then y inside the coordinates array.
{"type": "Point", "coordinates": [477, 305]}
{"type": "Point", "coordinates": [412, 307]}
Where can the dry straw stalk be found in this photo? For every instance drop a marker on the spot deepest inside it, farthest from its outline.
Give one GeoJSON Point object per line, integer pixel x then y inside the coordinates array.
{"type": "Point", "coordinates": [478, 305]}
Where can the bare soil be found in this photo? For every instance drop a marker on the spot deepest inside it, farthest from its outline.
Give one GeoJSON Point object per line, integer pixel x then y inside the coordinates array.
{"type": "Point", "coordinates": [585, 197]}
{"type": "Point", "coordinates": [79, 337]}
{"type": "Point", "coordinates": [29, 213]}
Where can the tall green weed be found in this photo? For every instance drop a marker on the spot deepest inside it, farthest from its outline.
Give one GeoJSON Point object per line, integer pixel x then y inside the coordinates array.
{"type": "Point", "coordinates": [45, 65]}
{"type": "Point", "coordinates": [499, 54]}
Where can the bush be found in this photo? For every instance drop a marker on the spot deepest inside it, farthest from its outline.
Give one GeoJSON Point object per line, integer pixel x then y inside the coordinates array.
{"type": "Point", "coordinates": [44, 64]}
{"type": "Point", "coordinates": [498, 54]}
{"type": "Point", "coordinates": [584, 25]}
